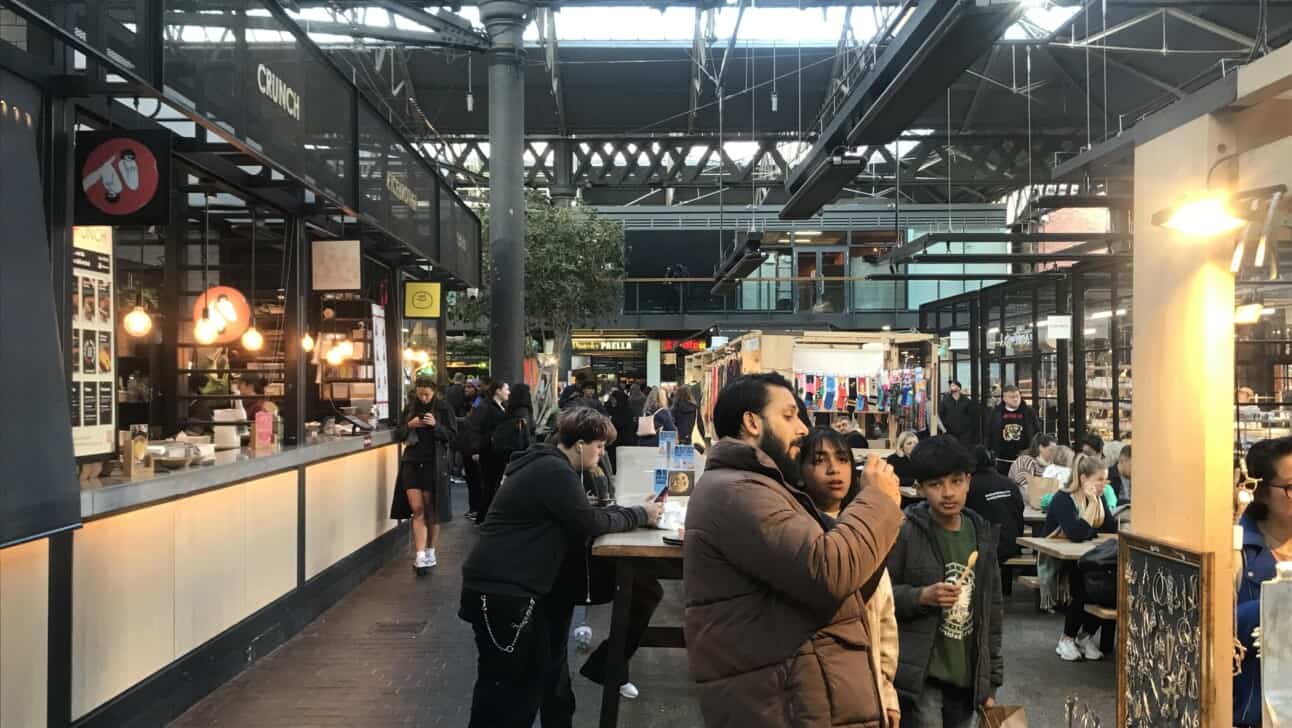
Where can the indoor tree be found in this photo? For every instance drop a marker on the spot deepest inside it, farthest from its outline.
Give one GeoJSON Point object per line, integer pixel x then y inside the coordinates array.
{"type": "Point", "coordinates": [574, 260]}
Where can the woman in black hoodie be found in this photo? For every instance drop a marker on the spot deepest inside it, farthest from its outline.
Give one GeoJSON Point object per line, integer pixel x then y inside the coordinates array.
{"type": "Point", "coordinates": [539, 515]}
{"type": "Point", "coordinates": [625, 422]}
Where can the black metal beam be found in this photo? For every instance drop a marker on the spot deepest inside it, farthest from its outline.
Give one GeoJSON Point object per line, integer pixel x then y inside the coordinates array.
{"type": "Point", "coordinates": [957, 276]}
{"type": "Point", "coordinates": [918, 245]}
{"type": "Point", "coordinates": [1021, 258]}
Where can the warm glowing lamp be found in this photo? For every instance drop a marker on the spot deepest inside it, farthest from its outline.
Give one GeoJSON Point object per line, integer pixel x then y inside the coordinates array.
{"type": "Point", "coordinates": [252, 340]}
{"type": "Point", "coordinates": [1248, 313]}
{"type": "Point", "coordinates": [1203, 217]}
{"type": "Point", "coordinates": [205, 331]}
{"type": "Point", "coordinates": [307, 343]}
{"type": "Point", "coordinates": [335, 357]}
{"type": "Point", "coordinates": [409, 355]}
{"type": "Point", "coordinates": [138, 323]}
{"type": "Point", "coordinates": [347, 348]}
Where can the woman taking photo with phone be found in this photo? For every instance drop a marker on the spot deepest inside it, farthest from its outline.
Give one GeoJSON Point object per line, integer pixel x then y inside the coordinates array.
{"type": "Point", "coordinates": [426, 427]}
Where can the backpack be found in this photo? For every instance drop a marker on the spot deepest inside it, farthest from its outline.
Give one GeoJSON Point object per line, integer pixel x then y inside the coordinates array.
{"type": "Point", "coordinates": [1099, 571]}
{"type": "Point", "coordinates": [511, 435]}
{"type": "Point", "coordinates": [467, 441]}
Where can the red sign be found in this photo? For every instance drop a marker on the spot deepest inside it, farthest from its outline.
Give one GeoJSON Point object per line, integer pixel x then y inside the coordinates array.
{"type": "Point", "coordinates": [121, 177]}
{"type": "Point", "coordinates": [687, 345]}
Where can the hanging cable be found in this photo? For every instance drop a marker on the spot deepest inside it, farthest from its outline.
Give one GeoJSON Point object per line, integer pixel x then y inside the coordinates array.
{"type": "Point", "coordinates": [1103, 17]}
{"type": "Point", "coordinates": [949, 158]}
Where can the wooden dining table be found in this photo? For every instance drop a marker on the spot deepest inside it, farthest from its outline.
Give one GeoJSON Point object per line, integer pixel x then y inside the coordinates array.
{"type": "Point", "coordinates": [1061, 548]}
{"type": "Point", "coordinates": [635, 552]}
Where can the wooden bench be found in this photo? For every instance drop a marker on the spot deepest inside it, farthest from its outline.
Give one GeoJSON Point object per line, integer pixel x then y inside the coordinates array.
{"type": "Point", "coordinates": [1021, 561]}
{"type": "Point", "coordinates": [1101, 612]}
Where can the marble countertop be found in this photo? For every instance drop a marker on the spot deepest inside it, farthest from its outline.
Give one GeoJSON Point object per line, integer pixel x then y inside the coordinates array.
{"type": "Point", "coordinates": [105, 496]}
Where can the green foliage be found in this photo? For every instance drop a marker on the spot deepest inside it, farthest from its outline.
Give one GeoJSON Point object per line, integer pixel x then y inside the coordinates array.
{"type": "Point", "coordinates": [573, 262]}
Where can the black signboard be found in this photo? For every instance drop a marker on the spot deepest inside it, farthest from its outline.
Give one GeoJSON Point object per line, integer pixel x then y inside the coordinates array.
{"type": "Point", "coordinates": [123, 177]}
{"type": "Point", "coordinates": [1164, 648]}
{"type": "Point", "coordinates": [396, 188]}
{"type": "Point", "coordinates": [459, 238]}
{"type": "Point", "coordinates": [261, 86]}
{"type": "Point", "coordinates": [39, 492]}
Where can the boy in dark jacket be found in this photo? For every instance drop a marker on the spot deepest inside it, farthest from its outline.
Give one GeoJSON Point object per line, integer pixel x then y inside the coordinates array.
{"type": "Point", "coordinates": [947, 590]}
{"type": "Point", "coordinates": [1010, 428]}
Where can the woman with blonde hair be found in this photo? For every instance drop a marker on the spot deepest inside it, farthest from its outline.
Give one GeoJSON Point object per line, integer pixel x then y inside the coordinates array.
{"type": "Point", "coordinates": [901, 458]}
{"type": "Point", "coordinates": [661, 418]}
{"type": "Point", "coordinates": [1079, 512]}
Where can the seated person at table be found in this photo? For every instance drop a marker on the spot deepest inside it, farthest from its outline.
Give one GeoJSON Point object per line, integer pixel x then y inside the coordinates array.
{"type": "Point", "coordinates": [1079, 513]}
{"type": "Point", "coordinates": [1267, 538]}
{"type": "Point", "coordinates": [829, 475]}
{"type": "Point", "coordinates": [947, 590]}
{"type": "Point", "coordinates": [774, 619]}
{"type": "Point", "coordinates": [901, 458]}
{"type": "Point", "coordinates": [521, 623]}
{"type": "Point", "coordinates": [1092, 444]}
{"type": "Point", "coordinates": [1119, 476]}
{"type": "Point", "coordinates": [998, 499]}
{"type": "Point", "coordinates": [1032, 462]}
{"type": "Point", "coordinates": [847, 426]}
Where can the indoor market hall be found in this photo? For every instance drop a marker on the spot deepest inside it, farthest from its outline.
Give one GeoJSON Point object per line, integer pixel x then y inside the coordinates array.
{"type": "Point", "coordinates": [606, 364]}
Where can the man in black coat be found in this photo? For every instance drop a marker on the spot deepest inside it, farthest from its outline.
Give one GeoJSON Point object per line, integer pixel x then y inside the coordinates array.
{"type": "Point", "coordinates": [959, 415]}
{"type": "Point", "coordinates": [1010, 428]}
{"type": "Point", "coordinates": [456, 393]}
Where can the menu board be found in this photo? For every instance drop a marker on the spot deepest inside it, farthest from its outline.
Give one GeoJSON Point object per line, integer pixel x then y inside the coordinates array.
{"type": "Point", "coordinates": [380, 367]}
{"type": "Point", "coordinates": [1164, 651]}
{"type": "Point", "coordinates": [93, 364]}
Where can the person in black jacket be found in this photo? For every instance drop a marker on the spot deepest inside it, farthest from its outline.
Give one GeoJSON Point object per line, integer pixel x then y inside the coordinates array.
{"type": "Point", "coordinates": [999, 500]}
{"type": "Point", "coordinates": [625, 422]}
{"type": "Point", "coordinates": [456, 394]}
{"type": "Point", "coordinates": [949, 615]}
{"type": "Point", "coordinates": [1010, 428]}
{"type": "Point", "coordinates": [1080, 513]}
{"type": "Point", "coordinates": [959, 415]}
{"type": "Point", "coordinates": [426, 427]}
{"type": "Point", "coordinates": [684, 413]}
{"type": "Point", "coordinates": [490, 413]}
{"type": "Point", "coordinates": [541, 514]}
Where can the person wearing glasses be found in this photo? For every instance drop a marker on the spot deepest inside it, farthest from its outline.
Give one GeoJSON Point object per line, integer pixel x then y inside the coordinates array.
{"type": "Point", "coordinates": [1267, 539]}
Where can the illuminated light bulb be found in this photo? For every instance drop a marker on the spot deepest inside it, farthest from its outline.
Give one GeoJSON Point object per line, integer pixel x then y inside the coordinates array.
{"type": "Point", "coordinates": [1202, 218]}
{"type": "Point", "coordinates": [226, 309]}
{"type": "Point", "coordinates": [409, 355]}
{"type": "Point", "coordinates": [138, 323]}
{"type": "Point", "coordinates": [205, 331]}
{"type": "Point", "coordinates": [347, 348]}
{"type": "Point", "coordinates": [252, 340]}
{"type": "Point", "coordinates": [335, 357]}
{"type": "Point", "coordinates": [307, 343]}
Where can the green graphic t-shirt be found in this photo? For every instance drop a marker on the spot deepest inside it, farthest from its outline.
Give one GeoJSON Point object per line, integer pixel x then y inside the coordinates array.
{"type": "Point", "coordinates": [952, 658]}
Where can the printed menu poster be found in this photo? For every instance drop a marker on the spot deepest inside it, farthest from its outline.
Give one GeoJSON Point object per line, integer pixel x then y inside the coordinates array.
{"type": "Point", "coordinates": [93, 352]}
{"type": "Point", "coordinates": [381, 371]}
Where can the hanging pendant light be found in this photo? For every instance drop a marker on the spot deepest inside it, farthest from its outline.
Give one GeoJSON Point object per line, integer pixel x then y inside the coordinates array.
{"type": "Point", "coordinates": [205, 330]}
{"type": "Point", "coordinates": [307, 343]}
{"type": "Point", "coordinates": [347, 348]}
{"type": "Point", "coordinates": [335, 357]}
{"type": "Point", "coordinates": [138, 323]}
{"type": "Point", "coordinates": [252, 340]}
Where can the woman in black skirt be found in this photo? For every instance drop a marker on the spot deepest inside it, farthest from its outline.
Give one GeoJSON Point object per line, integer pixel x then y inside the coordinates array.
{"type": "Point", "coordinates": [426, 427]}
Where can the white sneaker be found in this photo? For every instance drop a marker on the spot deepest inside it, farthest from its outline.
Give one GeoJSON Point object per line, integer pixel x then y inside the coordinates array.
{"type": "Point", "coordinates": [1068, 650]}
{"type": "Point", "coordinates": [629, 691]}
{"type": "Point", "coordinates": [424, 559]}
{"type": "Point", "coordinates": [430, 558]}
{"type": "Point", "coordinates": [1089, 650]}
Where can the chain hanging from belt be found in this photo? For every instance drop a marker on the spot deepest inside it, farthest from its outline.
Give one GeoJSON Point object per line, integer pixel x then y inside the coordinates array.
{"type": "Point", "coordinates": [509, 649]}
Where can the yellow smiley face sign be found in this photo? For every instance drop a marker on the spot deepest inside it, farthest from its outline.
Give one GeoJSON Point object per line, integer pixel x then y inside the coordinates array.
{"type": "Point", "coordinates": [421, 300]}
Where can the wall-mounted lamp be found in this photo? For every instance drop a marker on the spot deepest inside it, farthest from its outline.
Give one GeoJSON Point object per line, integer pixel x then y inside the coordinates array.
{"type": "Point", "coordinates": [1202, 217]}
{"type": "Point", "coordinates": [1248, 314]}
{"type": "Point", "coordinates": [1254, 214]}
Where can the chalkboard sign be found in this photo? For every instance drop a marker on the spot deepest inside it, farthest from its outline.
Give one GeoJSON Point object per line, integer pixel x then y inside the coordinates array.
{"type": "Point", "coordinates": [1163, 651]}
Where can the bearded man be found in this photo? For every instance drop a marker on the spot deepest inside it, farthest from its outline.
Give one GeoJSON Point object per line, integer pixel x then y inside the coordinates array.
{"type": "Point", "coordinates": [775, 598]}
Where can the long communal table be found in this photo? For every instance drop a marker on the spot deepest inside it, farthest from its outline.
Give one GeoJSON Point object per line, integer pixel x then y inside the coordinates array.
{"type": "Point", "coordinates": [636, 552]}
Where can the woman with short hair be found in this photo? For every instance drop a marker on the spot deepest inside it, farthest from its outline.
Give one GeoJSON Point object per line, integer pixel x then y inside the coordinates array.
{"type": "Point", "coordinates": [901, 458]}
{"type": "Point", "coordinates": [522, 623]}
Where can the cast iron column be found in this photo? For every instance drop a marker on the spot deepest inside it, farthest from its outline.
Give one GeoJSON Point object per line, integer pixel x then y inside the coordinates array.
{"type": "Point", "coordinates": [505, 20]}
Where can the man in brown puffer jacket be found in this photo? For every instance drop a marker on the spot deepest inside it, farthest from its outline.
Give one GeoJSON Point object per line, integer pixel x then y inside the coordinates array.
{"type": "Point", "coordinates": [775, 619]}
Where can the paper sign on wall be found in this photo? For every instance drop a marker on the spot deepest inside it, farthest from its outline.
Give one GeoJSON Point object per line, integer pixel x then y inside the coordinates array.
{"type": "Point", "coordinates": [337, 265]}
{"type": "Point", "coordinates": [1058, 327]}
{"type": "Point", "coordinates": [959, 341]}
{"type": "Point", "coordinates": [93, 356]}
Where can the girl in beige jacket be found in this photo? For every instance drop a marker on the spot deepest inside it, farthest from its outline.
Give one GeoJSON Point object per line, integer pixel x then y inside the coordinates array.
{"type": "Point", "coordinates": [828, 468]}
